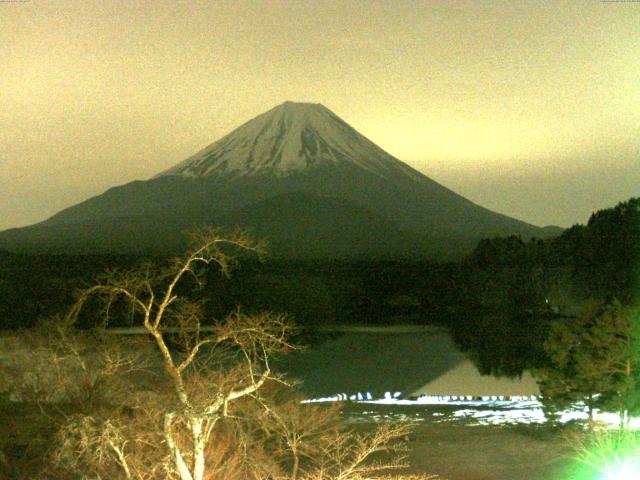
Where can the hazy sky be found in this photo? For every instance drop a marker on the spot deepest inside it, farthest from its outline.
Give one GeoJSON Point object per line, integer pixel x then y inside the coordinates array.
{"type": "Point", "coordinates": [530, 108]}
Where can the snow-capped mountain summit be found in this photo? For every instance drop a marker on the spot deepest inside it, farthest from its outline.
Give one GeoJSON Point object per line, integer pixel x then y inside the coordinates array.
{"type": "Point", "coordinates": [289, 138]}
{"type": "Point", "coordinates": [299, 177]}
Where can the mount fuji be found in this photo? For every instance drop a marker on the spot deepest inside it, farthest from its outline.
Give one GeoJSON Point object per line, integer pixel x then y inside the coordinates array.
{"type": "Point", "coordinates": [296, 175]}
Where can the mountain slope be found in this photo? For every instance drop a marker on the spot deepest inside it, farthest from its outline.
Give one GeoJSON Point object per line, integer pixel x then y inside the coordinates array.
{"type": "Point", "coordinates": [304, 225]}
{"type": "Point", "coordinates": [294, 152]}
{"type": "Point", "coordinates": [290, 138]}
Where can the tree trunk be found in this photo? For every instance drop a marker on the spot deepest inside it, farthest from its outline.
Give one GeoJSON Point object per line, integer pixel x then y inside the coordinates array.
{"type": "Point", "coordinates": [176, 455]}
{"type": "Point", "coordinates": [198, 448]}
{"type": "Point", "coordinates": [296, 463]}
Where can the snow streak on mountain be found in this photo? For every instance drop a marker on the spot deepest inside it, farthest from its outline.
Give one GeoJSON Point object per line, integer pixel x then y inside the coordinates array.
{"type": "Point", "coordinates": [290, 138]}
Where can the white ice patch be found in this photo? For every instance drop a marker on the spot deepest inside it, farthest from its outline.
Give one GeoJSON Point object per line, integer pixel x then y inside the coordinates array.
{"type": "Point", "coordinates": [494, 410]}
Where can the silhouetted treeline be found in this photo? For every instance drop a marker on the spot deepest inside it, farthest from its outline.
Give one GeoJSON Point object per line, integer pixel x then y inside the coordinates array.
{"type": "Point", "coordinates": [328, 292]}
{"type": "Point", "coordinates": [498, 302]}
{"type": "Point", "coordinates": [598, 260]}
{"type": "Point", "coordinates": [34, 287]}
{"type": "Point", "coordinates": [312, 293]}
{"type": "Point", "coordinates": [515, 288]}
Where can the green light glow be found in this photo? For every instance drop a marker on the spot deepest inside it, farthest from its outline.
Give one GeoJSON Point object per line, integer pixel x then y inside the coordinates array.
{"type": "Point", "coordinates": [606, 455]}
{"type": "Point", "coordinates": [628, 470]}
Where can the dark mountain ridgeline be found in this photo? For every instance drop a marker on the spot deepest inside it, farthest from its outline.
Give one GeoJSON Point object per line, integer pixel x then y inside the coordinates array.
{"type": "Point", "coordinates": [498, 302]}
{"type": "Point", "coordinates": [294, 151]}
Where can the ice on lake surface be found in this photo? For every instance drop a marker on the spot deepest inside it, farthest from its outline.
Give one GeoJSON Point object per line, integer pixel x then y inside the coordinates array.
{"type": "Point", "coordinates": [459, 411]}
{"type": "Point", "coordinates": [468, 414]}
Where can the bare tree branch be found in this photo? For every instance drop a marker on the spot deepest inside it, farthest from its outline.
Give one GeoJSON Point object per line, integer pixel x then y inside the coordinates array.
{"type": "Point", "coordinates": [177, 427]}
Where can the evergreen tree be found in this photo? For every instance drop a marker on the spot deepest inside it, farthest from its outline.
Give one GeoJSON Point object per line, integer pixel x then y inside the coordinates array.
{"type": "Point", "coordinates": [594, 358]}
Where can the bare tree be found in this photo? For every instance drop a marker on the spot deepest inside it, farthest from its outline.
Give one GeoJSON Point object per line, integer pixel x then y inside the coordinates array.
{"type": "Point", "coordinates": [208, 404]}
{"type": "Point", "coordinates": [57, 364]}
{"type": "Point", "coordinates": [153, 296]}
